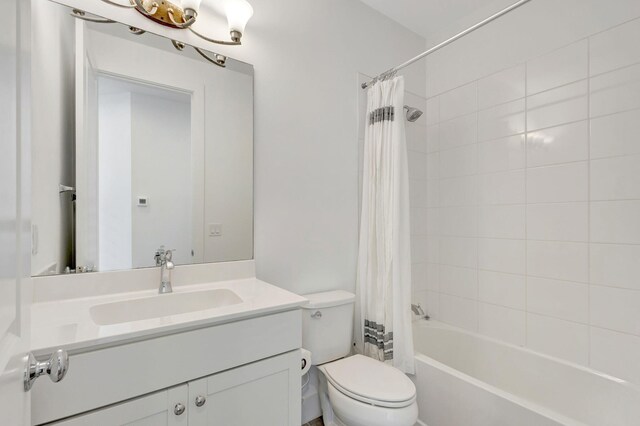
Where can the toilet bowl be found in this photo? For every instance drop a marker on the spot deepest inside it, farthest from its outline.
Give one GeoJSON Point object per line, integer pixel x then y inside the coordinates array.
{"type": "Point", "coordinates": [354, 390]}
{"type": "Point", "coordinates": [361, 391]}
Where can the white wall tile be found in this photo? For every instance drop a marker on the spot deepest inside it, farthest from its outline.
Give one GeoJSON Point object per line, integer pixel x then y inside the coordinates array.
{"type": "Point", "coordinates": [558, 260]}
{"type": "Point", "coordinates": [502, 289]}
{"type": "Point", "coordinates": [458, 281]}
{"type": "Point", "coordinates": [616, 354]}
{"type": "Point", "coordinates": [456, 251]}
{"type": "Point", "coordinates": [417, 165]}
{"type": "Point", "coordinates": [559, 338]}
{"type": "Point", "coordinates": [417, 193]}
{"type": "Point", "coordinates": [616, 309]}
{"type": "Point", "coordinates": [419, 276]}
{"type": "Point", "coordinates": [502, 188]}
{"type": "Point", "coordinates": [508, 325]}
{"type": "Point", "coordinates": [504, 86]}
{"type": "Point", "coordinates": [433, 249]}
{"type": "Point", "coordinates": [615, 91]}
{"type": "Point", "coordinates": [458, 132]}
{"type": "Point", "coordinates": [559, 299]}
{"type": "Point", "coordinates": [433, 110]}
{"type": "Point", "coordinates": [460, 312]}
{"type": "Point", "coordinates": [558, 221]}
{"type": "Point", "coordinates": [419, 221]}
{"type": "Point", "coordinates": [558, 106]}
{"type": "Point", "coordinates": [615, 222]}
{"type": "Point", "coordinates": [502, 255]}
{"type": "Point", "coordinates": [432, 189]}
{"type": "Point", "coordinates": [461, 161]}
{"type": "Point", "coordinates": [433, 165]}
{"type": "Point", "coordinates": [564, 183]}
{"type": "Point", "coordinates": [502, 120]}
{"type": "Point", "coordinates": [556, 145]}
{"type": "Point", "coordinates": [459, 191]}
{"type": "Point", "coordinates": [615, 265]}
{"type": "Point", "coordinates": [433, 221]}
{"type": "Point", "coordinates": [501, 155]}
{"type": "Point", "coordinates": [433, 138]}
{"type": "Point", "coordinates": [433, 277]}
{"type": "Point", "coordinates": [615, 48]}
{"type": "Point", "coordinates": [460, 101]}
{"type": "Point", "coordinates": [458, 221]}
{"type": "Point", "coordinates": [416, 137]}
{"type": "Point", "coordinates": [615, 178]}
{"type": "Point", "coordinates": [418, 249]}
{"type": "Point", "coordinates": [560, 67]}
{"type": "Point", "coordinates": [507, 221]}
{"type": "Point", "coordinates": [615, 135]}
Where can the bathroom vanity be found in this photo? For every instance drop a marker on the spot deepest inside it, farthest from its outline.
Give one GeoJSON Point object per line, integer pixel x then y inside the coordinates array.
{"type": "Point", "coordinates": [234, 364]}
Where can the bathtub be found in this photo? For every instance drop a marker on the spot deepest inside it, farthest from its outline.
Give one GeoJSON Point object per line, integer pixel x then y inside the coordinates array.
{"type": "Point", "coordinates": [464, 379]}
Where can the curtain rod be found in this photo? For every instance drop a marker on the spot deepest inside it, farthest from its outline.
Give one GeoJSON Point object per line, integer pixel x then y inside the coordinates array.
{"type": "Point", "coordinates": [446, 42]}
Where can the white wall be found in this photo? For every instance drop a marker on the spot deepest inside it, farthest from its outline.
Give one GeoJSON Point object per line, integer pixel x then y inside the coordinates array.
{"type": "Point", "coordinates": [53, 134]}
{"type": "Point", "coordinates": [114, 181]}
{"type": "Point", "coordinates": [533, 190]}
{"type": "Point", "coordinates": [161, 170]}
{"type": "Point", "coordinates": [307, 57]}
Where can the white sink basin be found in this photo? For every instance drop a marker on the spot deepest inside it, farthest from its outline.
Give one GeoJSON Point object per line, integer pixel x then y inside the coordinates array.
{"type": "Point", "coordinates": [161, 305]}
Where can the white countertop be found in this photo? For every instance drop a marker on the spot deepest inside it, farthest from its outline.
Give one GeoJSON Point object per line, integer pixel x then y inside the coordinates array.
{"type": "Point", "coordinates": [67, 324]}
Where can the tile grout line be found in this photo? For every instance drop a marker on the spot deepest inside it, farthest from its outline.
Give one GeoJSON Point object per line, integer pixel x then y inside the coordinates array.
{"type": "Point", "coordinates": [589, 337]}
{"type": "Point", "coordinates": [526, 205]}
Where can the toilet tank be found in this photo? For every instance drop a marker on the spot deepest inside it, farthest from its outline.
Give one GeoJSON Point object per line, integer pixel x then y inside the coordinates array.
{"type": "Point", "coordinates": [327, 325]}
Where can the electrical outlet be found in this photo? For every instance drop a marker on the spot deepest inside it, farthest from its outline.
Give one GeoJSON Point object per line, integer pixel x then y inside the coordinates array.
{"type": "Point", "coordinates": [215, 230]}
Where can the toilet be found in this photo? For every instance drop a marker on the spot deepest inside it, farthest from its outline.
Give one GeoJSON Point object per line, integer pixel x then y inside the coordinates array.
{"type": "Point", "coordinates": [354, 390]}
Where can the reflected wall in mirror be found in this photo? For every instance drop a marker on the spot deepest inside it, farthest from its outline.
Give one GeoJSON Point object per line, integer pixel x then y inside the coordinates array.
{"type": "Point", "coordinates": [137, 145]}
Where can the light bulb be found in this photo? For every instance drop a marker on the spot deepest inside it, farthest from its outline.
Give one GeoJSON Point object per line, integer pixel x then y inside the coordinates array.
{"type": "Point", "coordinates": [191, 4]}
{"type": "Point", "coordinates": [238, 14]}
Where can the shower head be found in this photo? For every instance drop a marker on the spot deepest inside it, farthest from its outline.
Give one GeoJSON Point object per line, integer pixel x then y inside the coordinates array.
{"type": "Point", "coordinates": [412, 113]}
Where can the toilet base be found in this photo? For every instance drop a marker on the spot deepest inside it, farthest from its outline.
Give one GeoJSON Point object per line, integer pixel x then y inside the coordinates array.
{"type": "Point", "coordinates": [341, 410]}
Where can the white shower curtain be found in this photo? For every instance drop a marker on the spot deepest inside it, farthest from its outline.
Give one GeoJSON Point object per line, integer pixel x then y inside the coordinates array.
{"type": "Point", "coordinates": [383, 308]}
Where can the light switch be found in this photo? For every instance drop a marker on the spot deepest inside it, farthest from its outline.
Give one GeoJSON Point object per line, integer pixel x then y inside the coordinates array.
{"type": "Point", "coordinates": [215, 230]}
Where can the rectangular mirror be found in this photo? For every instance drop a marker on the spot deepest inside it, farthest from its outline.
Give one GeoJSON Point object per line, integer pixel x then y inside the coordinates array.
{"type": "Point", "coordinates": [153, 148]}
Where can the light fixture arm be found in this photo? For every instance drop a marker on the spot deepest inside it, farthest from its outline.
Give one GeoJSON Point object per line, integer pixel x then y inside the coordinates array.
{"type": "Point", "coordinates": [235, 40]}
{"type": "Point", "coordinates": [192, 15]}
{"type": "Point", "coordinates": [131, 4]}
{"type": "Point", "coordinates": [219, 60]}
{"type": "Point", "coordinates": [76, 13]}
{"type": "Point", "coordinates": [140, 7]}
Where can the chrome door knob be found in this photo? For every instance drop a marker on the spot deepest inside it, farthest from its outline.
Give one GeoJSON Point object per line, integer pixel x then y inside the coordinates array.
{"type": "Point", "coordinates": [200, 400]}
{"type": "Point", "coordinates": [55, 367]}
{"type": "Point", "coordinates": [179, 409]}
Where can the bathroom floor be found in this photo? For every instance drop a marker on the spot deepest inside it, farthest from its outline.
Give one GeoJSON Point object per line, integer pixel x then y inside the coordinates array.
{"type": "Point", "coordinates": [316, 422]}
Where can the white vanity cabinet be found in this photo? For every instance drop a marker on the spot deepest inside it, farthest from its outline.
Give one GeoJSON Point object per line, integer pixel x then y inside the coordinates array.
{"type": "Point", "coordinates": [246, 372]}
{"type": "Point", "coordinates": [263, 393]}
{"type": "Point", "coordinates": [156, 409]}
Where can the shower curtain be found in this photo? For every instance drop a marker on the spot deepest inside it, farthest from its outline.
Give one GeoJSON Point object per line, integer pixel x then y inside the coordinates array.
{"type": "Point", "coordinates": [383, 314]}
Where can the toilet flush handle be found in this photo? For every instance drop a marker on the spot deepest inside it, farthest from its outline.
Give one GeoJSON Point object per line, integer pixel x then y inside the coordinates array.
{"type": "Point", "coordinates": [316, 314]}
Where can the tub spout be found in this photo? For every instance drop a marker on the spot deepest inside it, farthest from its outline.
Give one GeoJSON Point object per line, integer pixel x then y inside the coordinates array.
{"type": "Point", "coordinates": [417, 309]}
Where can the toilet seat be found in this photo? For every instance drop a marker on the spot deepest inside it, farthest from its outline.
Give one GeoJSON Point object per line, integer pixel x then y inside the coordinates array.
{"type": "Point", "coordinates": [371, 382]}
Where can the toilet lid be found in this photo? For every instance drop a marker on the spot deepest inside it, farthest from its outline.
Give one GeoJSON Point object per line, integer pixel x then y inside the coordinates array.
{"type": "Point", "coordinates": [371, 381]}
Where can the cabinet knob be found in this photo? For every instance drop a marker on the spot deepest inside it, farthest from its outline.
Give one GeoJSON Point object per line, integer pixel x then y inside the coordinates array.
{"type": "Point", "coordinates": [179, 409]}
{"type": "Point", "coordinates": [200, 400]}
{"type": "Point", "coordinates": [55, 367]}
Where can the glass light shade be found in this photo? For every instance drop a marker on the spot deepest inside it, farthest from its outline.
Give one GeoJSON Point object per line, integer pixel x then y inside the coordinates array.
{"type": "Point", "coordinates": [191, 4]}
{"type": "Point", "coordinates": [238, 14]}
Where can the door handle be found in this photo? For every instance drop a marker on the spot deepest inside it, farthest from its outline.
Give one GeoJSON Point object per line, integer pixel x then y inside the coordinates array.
{"type": "Point", "coordinates": [55, 367]}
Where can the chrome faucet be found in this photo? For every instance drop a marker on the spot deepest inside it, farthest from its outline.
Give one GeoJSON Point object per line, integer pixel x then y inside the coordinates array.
{"type": "Point", "coordinates": [163, 260]}
{"type": "Point", "coordinates": [417, 309]}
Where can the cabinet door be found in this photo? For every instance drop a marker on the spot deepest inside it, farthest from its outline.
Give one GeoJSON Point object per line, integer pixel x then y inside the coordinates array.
{"type": "Point", "coordinates": [156, 409]}
{"type": "Point", "coordinates": [264, 393]}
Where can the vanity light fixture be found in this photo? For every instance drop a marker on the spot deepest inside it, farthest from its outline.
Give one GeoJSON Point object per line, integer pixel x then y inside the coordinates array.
{"type": "Point", "coordinates": [183, 14]}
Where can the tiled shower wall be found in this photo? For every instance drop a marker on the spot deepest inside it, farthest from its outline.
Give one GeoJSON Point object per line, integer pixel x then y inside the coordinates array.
{"type": "Point", "coordinates": [532, 230]}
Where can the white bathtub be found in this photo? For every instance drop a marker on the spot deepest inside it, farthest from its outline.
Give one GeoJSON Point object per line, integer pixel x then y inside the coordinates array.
{"type": "Point", "coordinates": [464, 379]}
